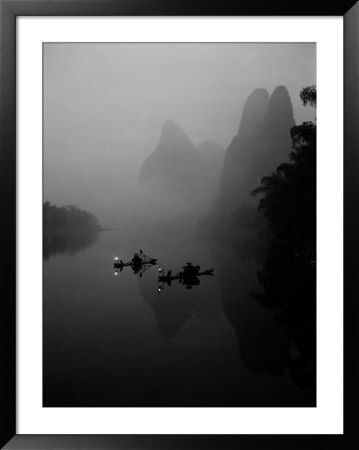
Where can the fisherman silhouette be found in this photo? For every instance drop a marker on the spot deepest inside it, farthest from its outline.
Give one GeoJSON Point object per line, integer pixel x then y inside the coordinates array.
{"type": "Point", "coordinates": [191, 281]}
{"type": "Point", "coordinates": [136, 260]}
{"type": "Point", "coordinates": [189, 270]}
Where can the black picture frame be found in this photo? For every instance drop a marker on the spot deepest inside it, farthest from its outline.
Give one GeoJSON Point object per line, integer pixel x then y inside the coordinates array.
{"type": "Point", "coordinates": [9, 10]}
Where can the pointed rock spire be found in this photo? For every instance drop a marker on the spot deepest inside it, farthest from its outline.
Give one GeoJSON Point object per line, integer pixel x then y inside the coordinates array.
{"type": "Point", "coordinates": [262, 143]}
{"type": "Point", "coordinates": [254, 111]}
{"type": "Point", "coordinates": [174, 165]}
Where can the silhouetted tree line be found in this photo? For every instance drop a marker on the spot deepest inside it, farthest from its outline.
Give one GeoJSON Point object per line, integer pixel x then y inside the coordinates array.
{"type": "Point", "coordinates": [288, 196]}
{"type": "Point", "coordinates": [68, 218]}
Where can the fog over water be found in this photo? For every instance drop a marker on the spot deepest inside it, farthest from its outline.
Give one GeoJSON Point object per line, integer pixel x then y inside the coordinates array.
{"type": "Point", "coordinates": [105, 106]}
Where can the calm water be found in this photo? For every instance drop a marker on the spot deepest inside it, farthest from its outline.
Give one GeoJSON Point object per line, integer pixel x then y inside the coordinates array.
{"type": "Point", "coordinates": [116, 341]}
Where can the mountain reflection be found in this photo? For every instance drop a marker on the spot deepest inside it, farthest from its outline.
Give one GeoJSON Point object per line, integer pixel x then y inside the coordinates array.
{"type": "Point", "coordinates": [272, 309]}
{"type": "Point", "coordinates": [174, 304]}
{"type": "Point", "coordinates": [67, 242]}
{"type": "Point", "coordinates": [172, 308]}
{"type": "Point", "coordinates": [288, 285]}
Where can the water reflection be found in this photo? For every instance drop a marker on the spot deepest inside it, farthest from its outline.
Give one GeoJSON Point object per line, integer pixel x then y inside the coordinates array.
{"type": "Point", "coordinates": [272, 306]}
{"type": "Point", "coordinates": [253, 324]}
{"type": "Point", "coordinates": [67, 242]}
{"type": "Point", "coordinates": [242, 337]}
{"type": "Point", "coordinates": [175, 305]}
{"type": "Point", "coordinates": [137, 269]}
{"type": "Point", "coordinates": [288, 286]}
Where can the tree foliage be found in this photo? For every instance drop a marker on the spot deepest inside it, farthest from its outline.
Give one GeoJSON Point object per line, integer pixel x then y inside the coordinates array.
{"type": "Point", "coordinates": [288, 196]}
{"type": "Point", "coordinates": [68, 218]}
{"type": "Point", "coordinates": [308, 95]}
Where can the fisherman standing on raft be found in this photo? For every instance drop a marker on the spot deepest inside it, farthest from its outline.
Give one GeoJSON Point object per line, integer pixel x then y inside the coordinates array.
{"type": "Point", "coordinates": [136, 260]}
{"type": "Point", "coordinates": [189, 270]}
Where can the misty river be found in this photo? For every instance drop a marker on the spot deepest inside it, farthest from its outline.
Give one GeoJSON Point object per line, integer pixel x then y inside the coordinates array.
{"type": "Point", "coordinates": [117, 340]}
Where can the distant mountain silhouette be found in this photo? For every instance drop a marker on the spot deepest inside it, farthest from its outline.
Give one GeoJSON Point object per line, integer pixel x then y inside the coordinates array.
{"type": "Point", "coordinates": [178, 167]}
{"type": "Point", "coordinates": [211, 155]}
{"type": "Point", "coordinates": [263, 141]}
{"type": "Point", "coordinates": [277, 142]}
{"type": "Point", "coordinates": [174, 166]}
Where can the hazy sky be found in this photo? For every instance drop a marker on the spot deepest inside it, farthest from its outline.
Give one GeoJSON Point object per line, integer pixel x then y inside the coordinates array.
{"type": "Point", "coordinates": [105, 104]}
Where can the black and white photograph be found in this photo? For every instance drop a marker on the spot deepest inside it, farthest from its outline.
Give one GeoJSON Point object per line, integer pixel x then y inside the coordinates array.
{"type": "Point", "coordinates": [179, 225]}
